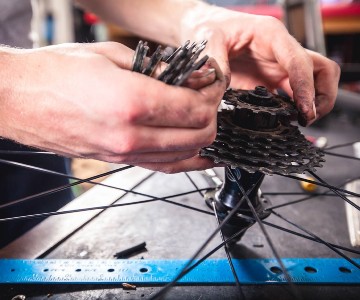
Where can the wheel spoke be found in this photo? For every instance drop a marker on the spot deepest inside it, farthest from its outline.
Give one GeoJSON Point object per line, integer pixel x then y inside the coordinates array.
{"type": "Point", "coordinates": [47, 171]}
{"type": "Point", "coordinates": [188, 206]}
{"type": "Point", "coordinates": [336, 191]}
{"type": "Point", "coordinates": [166, 288]}
{"type": "Point", "coordinates": [56, 213]}
{"type": "Point", "coordinates": [92, 182]}
{"type": "Point", "coordinates": [61, 188]}
{"type": "Point", "coordinates": [296, 194]}
{"type": "Point", "coordinates": [320, 240]}
{"type": "Point", "coordinates": [11, 152]}
{"type": "Point", "coordinates": [341, 145]}
{"type": "Point", "coordinates": [308, 237]}
{"type": "Point", "coordinates": [165, 199]}
{"type": "Point", "coordinates": [323, 184]}
{"type": "Point", "coordinates": [267, 223]}
{"type": "Point", "coordinates": [226, 248]}
{"type": "Point", "coordinates": [194, 184]}
{"type": "Point", "coordinates": [211, 252]}
{"type": "Point", "coordinates": [268, 239]}
{"type": "Point", "coordinates": [313, 195]}
{"type": "Point", "coordinates": [342, 155]}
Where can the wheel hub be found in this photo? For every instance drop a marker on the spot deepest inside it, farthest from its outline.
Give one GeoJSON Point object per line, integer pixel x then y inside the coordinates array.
{"type": "Point", "coordinates": [255, 138]}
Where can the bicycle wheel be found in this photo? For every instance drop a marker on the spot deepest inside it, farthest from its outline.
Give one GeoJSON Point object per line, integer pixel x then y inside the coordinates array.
{"type": "Point", "coordinates": [174, 232]}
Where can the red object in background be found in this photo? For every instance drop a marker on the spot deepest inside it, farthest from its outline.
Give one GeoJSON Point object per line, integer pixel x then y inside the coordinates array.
{"type": "Point", "coordinates": [341, 10]}
{"type": "Point", "coordinates": [90, 18]}
{"type": "Point", "coordinates": [263, 9]}
{"type": "Point", "coordinates": [327, 10]}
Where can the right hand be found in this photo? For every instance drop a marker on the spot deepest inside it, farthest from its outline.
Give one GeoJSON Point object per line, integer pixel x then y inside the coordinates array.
{"type": "Point", "coordinates": [262, 52]}
{"type": "Point", "coordinates": [82, 100]}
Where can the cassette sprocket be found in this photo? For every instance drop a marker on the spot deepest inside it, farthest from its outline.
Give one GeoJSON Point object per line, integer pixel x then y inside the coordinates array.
{"type": "Point", "coordinates": [255, 134]}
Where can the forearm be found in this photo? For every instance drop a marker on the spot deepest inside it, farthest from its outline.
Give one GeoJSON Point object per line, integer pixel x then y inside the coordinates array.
{"type": "Point", "coordinates": [7, 74]}
{"type": "Point", "coordinates": [159, 20]}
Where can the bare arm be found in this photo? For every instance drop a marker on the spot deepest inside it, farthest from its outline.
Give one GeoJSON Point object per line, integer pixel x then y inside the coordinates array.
{"type": "Point", "coordinates": [81, 100]}
{"type": "Point", "coordinates": [158, 20]}
{"type": "Point", "coordinates": [251, 50]}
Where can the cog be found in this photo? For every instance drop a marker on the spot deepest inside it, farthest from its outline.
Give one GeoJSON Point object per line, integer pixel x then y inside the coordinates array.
{"type": "Point", "coordinates": [260, 100]}
{"type": "Point", "coordinates": [256, 135]}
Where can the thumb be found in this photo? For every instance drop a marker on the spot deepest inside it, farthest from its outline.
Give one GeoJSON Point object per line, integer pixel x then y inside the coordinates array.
{"type": "Point", "coordinates": [217, 49]}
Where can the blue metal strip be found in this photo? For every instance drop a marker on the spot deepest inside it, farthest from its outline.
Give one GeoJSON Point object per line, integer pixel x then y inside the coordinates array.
{"type": "Point", "coordinates": [147, 272]}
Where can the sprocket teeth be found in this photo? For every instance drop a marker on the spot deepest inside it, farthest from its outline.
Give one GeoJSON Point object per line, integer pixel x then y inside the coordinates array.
{"type": "Point", "coordinates": [280, 150]}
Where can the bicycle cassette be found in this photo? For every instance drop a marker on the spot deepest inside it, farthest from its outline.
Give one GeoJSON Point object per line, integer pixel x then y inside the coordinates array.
{"type": "Point", "coordinates": [256, 135]}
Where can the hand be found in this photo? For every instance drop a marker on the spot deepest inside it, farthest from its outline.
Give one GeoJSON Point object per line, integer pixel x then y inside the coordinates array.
{"type": "Point", "coordinates": [256, 50]}
{"type": "Point", "coordinates": [81, 100]}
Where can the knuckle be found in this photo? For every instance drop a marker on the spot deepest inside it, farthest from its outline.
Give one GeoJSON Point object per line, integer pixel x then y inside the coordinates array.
{"type": "Point", "coordinates": [204, 119]}
{"type": "Point", "coordinates": [107, 46]}
{"type": "Point", "coordinates": [273, 22]}
{"type": "Point", "coordinates": [210, 137]}
{"type": "Point", "coordinates": [126, 145]}
{"type": "Point", "coordinates": [308, 61]}
{"type": "Point", "coordinates": [119, 159]}
{"type": "Point", "coordinates": [168, 169]}
{"type": "Point", "coordinates": [111, 44]}
{"type": "Point", "coordinates": [132, 114]}
{"type": "Point", "coordinates": [208, 32]}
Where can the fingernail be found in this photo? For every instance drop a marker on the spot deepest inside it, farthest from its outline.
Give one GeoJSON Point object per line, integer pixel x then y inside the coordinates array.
{"type": "Point", "coordinates": [309, 122]}
{"type": "Point", "coordinates": [314, 109]}
{"type": "Point", "coordinates": [206, 72]}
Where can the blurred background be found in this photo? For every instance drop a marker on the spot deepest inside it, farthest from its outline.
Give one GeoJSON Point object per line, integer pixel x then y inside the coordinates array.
{"type": "Point", "coordinates": [330, 27]}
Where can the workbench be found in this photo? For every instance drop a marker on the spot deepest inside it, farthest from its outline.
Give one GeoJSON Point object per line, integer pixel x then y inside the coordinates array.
{"type": "Point", "coordinates": [175, 233]}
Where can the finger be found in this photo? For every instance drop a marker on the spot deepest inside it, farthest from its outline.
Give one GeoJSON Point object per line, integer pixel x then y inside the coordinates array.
{"type": "Point", "coordinates": [216, 48]}
{"type": "Point", "coordinates": [191, 164]}
{"type": "Point", "coordinates": [220, 81]}
{"type": "Point", "coordinates": [327, 75]}
{"type": "Point", "coordinates": [299, 66]}
{"type": "Point", "coordinates": [122, 56]}
{"type": "Point", "coordinates": [145, 139]}
{"type": "Point", "coordinates": [200, 79]}
{"type": "Point", "coordinates": [158, 104]}
{"type": "Point", "coordinates": [118, 53]}
{"type": "Point", "coordinates": [285, 86]}
{"type": "Point", "coordinates": [150, 157]}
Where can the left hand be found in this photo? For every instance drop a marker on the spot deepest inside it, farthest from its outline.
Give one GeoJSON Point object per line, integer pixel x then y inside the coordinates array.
{"type": "Point", "coordinates": [258, 50]}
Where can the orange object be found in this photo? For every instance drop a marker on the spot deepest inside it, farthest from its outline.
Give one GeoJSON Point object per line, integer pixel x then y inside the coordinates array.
{"type": "Point", "coordinates": [307, 186]}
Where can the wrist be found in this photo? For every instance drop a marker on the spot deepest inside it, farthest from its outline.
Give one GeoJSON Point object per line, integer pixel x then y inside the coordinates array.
{"type": "Point", "coordinates": [6, 88]}
{"type": "Point", "coordinates": [217, 24]}
{"type": "Point", "coordinates": [195, 21]}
